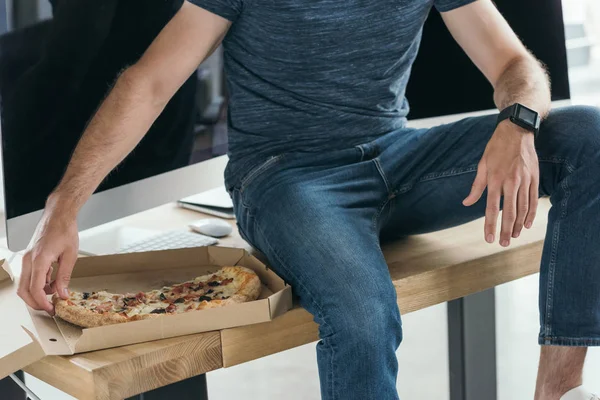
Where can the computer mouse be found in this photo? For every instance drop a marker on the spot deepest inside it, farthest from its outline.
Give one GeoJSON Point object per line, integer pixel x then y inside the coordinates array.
{"type": "Point", "coordinates": [212, 227]}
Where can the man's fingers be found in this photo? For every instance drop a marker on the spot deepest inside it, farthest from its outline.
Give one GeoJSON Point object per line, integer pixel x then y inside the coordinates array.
{"type": "Point", "coordinates": [48, 288]}
{"type": "Point", "coordinates": [533, 203]}
{"type": "Point", "coordinates": [491, 212]}
{"type": "Point", "coordinates": [522, 209]}
{"type": "Point", "coordinates": [478, 187]}
{"type": "Point", "coordinates": [40, 266]}
{"type": "Point", "coordinates": [24, 283]}
{"type": "Point", "coordinates": [509, 212]}
{"type": "Point", "coordinates": [63, 275]}
{"type": "Point", "coordinates": [49, 275]}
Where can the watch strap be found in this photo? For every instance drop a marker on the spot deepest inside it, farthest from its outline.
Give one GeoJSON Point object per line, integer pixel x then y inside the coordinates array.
{"type": "Point", "coordinates": [507, 113]}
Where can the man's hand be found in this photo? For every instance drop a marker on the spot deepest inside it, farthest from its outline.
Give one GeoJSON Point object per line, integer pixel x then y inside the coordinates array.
{"type": "Point", "coordinates": [509, 168]}
{"type": "Point", "coordinates": [55, 241]}
{"type": "Point", "coordinates": [137, 99]}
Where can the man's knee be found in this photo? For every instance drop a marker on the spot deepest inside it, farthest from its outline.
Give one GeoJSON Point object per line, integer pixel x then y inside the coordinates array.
{"type": "Point", "coordinates": [373, 325]}
{"type": "Point", "coordinates": [577, 130]}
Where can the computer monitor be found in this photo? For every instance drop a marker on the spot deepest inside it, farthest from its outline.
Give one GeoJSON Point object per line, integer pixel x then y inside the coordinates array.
{"type": "Point", "coordinates": [58, 60]}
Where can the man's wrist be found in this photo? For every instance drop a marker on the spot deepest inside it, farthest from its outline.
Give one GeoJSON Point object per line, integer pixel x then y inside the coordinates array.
{"type": "Point", "coordinates": [521, 115]}
{"type": "Point", "coordinates": [62, 203]}
{"type": "Point", "coordinates": [512, 132]}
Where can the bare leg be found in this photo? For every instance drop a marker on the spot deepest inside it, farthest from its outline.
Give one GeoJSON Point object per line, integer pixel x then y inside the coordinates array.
{"type": "Point", "coordinates": [560, 371]}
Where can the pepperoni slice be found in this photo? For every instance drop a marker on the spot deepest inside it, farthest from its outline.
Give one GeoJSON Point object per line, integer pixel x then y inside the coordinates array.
{"type": "Point", "coordinates": [177, 290]}
{"type": "Point", "coordinates": [104, 307]}
{"type": "Point", "coordinates": [171, 308]}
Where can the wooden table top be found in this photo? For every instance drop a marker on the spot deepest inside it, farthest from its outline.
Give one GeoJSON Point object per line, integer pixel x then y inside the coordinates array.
{"type": "Point", "coordinates": [426, 270]}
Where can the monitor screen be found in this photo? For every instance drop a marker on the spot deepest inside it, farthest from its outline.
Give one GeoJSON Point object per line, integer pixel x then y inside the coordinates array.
{"type": "Point", "coordinates": [56, 67]}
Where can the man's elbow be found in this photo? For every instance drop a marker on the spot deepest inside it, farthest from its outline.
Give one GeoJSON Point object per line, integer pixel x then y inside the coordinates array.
{"type": "Point", "coordinates": [136, 82]}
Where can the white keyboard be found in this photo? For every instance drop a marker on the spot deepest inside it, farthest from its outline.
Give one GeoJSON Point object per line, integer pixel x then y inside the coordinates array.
{"type": "Point", "coordinates": [169, 241]}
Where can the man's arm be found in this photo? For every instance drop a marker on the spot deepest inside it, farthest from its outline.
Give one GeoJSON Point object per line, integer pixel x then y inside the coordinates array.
{"type": "Point", "coordinates": [137, 99]}
{"type": "Point", "coordinates": [509, 167]}
{"type": "Point", "coordinates": [488, 40]}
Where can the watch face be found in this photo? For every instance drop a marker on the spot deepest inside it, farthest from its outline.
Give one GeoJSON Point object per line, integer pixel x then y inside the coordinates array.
{"type": "Point", "coordinates": [527, 116]}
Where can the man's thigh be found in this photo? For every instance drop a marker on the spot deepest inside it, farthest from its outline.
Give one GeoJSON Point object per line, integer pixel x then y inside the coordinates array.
{"type": "Point", "coordinates": [316, 226]}
{"type": "Point", "coordinates": [429, 173]}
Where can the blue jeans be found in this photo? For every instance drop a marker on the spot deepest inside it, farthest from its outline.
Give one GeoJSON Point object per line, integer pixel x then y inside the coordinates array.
{"type": "Point", "coordinates": [319, 219]}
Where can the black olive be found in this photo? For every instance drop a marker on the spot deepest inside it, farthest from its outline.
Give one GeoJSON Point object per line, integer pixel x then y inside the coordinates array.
{"type": "Point", "coordinates": [209, 291]}
{"type": "Point", "coordinates": [162, 297]}
{"type": "Point", "coordinates": [179, 300]}
{"type": "Point", "coordinates": [213, 283]}
{"type": "Point", "coordinates": [85, 295]}
{"type": "Point", "coordinates": [158, 311]}
{"type": "Point", "coordinates": [204, 298]}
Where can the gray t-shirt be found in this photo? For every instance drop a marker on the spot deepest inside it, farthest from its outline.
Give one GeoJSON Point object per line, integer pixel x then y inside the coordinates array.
{"type": "Point", "coordinates": [313, 75]}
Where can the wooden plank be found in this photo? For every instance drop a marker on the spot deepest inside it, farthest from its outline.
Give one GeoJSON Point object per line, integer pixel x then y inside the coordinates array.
{"type": "Point", "coordinates": [126, 371]}
{"type": "Point", "coordinates": [60, 373]}
{"type": "Point", "coordinates": [292, 329]}
{"type": "Point", "coordinates": [446, 265]}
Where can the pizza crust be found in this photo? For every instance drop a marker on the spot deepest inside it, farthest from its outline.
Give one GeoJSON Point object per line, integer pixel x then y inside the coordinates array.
{"type": "Point", "coordinates": [81, 316]}
{"type": "Point", "coordinates": [249, 289]}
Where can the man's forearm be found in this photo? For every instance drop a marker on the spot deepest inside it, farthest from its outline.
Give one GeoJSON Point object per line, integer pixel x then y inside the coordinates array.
{"type": "Point", "coordinates": [118, 126]}
{"type": "Point", "coordinates": [524, 81]}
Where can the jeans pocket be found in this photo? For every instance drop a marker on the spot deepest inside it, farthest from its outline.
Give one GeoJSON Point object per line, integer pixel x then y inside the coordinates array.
{"type": "Point", "coordinates": [258, 171]}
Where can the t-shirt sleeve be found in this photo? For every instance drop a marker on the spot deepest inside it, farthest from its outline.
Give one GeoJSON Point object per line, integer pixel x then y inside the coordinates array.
{"type": "Point", "coordinates": [228, 9]}
{"type": "Point", "coordinates": [449, 5]}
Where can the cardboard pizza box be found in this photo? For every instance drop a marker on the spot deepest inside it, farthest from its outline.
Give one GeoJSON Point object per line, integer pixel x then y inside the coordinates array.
{"type": "Point", "coordinates": [31, 335]}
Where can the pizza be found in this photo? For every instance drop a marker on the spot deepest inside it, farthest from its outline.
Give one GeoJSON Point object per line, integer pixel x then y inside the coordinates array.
{"type": "Point", "coordinates": [229, 285]}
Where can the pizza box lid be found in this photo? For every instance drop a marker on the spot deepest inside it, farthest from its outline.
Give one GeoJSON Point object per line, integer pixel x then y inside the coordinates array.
{"type": "Point", "coordinates": [31, 335]}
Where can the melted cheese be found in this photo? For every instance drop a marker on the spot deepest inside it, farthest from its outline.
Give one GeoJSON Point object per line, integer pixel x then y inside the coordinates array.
{"type": "Point", "coordinates": [153, 300]}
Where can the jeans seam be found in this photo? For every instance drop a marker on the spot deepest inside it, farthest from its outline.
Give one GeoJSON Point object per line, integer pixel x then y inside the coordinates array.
{"type": "Point", "coordinates": [255, 173]}
{"type": "Point", "coordinates": [362, 152]}
{"type": "Point", "coordinates": [586, 341]}
{"type": "Point", "coordinates": [312, 298]}
{"type": "Point", "coordinates": [243, 203]}
{"type": "Point", "coordinates": [552, 264]}
{"type": "Point", "coordinates": [559, 160]}
{"type": "Point", "coordinates": [433, 176]}
{"type": "Point", "coordinates": [445, 174]}
{"type": "Point", "coordinates": [380, 209]}
{"type": "Point", "coordinates": [382, 174]}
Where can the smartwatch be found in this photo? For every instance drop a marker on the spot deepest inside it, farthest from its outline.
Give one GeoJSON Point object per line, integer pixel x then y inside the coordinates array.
{"type": "Point", "coordinates": [523, 116]}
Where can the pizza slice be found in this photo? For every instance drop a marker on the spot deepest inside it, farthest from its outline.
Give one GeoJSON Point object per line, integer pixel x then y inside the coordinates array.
{"type": "Point", "coordinates": [229, 285]}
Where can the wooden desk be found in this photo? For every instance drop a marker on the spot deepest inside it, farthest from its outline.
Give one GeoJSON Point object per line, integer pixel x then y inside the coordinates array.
{"type": "Point", "coordinates": [426, 270]}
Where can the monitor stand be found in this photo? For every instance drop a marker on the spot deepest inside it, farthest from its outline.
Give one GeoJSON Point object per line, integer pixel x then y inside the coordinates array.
{"type": "Point", "coordinates": [110, 238]}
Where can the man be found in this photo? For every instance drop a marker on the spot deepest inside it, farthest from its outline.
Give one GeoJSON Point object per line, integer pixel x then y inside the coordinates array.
{"type": "Point", "coordinates": [322, 164]}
